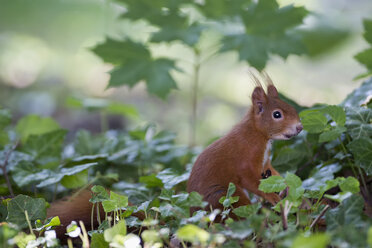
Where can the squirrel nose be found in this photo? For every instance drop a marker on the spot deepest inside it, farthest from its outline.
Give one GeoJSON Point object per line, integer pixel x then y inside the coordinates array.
{"type": "Point", "coordinates": [299, 128]}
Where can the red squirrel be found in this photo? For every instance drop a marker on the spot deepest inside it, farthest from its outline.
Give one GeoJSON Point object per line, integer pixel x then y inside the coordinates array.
{"type": "Point", "coordinates": [243, 155]}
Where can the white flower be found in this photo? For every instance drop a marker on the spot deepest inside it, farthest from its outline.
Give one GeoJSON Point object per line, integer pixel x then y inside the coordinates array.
{"type": "Point", "coordinates": [132, 241]}
{"type": "Point", "coordinates": [51, 238]}
{"type": "Point", "coordinates": [73, 230]}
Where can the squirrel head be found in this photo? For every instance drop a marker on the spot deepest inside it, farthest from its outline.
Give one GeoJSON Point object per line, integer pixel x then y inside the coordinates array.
{"type": "Point", "coordinates": [273, 117]}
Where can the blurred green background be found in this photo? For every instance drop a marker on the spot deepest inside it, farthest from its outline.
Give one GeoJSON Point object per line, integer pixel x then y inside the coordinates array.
{"type": "Point", "coordinates": [46, 58]}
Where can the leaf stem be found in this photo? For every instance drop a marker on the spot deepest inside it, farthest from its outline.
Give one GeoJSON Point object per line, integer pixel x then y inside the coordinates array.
{"type": "Point", "coordinates": [194, 103]}
{"type": "Point", "coordinates": [29, 223]}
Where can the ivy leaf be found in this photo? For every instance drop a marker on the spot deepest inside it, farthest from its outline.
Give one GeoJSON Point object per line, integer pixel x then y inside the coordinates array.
{"type": "Point", "coordinates": [350, 184]}
{"type": "Point", "coordinates": [100, 194]}
{"type": "Point", "coordinates": [151, 181]}
{"type": "Point", "coordinates": [170, 178]}
{"type": "Point", "coordinates": [35, 207]}
{"type": "Point", "coordinates": [337, 114]}
{"type": "Point", "coordinates": [272, 184]}
{"type": "Point", "coordinates": [365, 57]}
{"type": "Point", "coordinates": [347, 214]}
{"type": "Point", "coordinates": [75, 181]}
{"type": "Point", "coordinates": [231, 190]}
{"type": "Point", "coordinates": [247, 211]}
{"type": "Point", "coordinates": [359, 96]}
{"type": "Point", "coordinates": [239, 229]}
{"type": "Point", "coordinates": [295, 186]}
{"type": "Point", "coordinates": [362, 151]}
{"type": "Point", "coordinates": [332, 134]}
{"type": "Point", "coordinates": [45, 145]}
{"type": "Point", "coordinates": [359, 122]}
{"type": "Point", "coordinates": [313, 121]}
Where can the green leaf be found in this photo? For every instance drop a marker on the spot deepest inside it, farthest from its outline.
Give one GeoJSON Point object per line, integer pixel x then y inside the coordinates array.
{"type": "Point", "coordinates": [55, 177]}
{"type": "Point", "coordinates": [75, 181]}
{"type": "Point", "coordinates": [295, 186]}
{"type": "Point", "coordinates": [193, 234]}
{"type": "Point", "coordinates": [369, 238]}
{"type": "Point", "coordinates": [45, 145]}
{"type": "Point", "coordinates": [100, 194]}
{"type": "Point", "coordinates": [49, 223]}
{"type": "Point", "coordinates": [339, 197]}
{"type": "Point", "coordinates": [5, 118]}
{"type": "Point", "coordinates": [195, 200]}
{"type": "Point", "coordinates": [332, 134]}
{"type": "Point", "coordinates": [115, 202]}
{"type": "Point", "coordinates": [189, 35]}
{"type": "Point", "coordinates": [151, 236]}
{"type": "Point", "coordinates": [359, 96]}
{"type": "Point", "coordinates": [35, 125]}
{"type": "Point", "coordinates": [322, 38]}
{"type": "Point", "coordinates": [35, 207]}
{"type": "Point", "coordinates": [362, 151]}
{"type": "Point", "coordinates": [247, 211]}
{"type": "Point", "coordinates": [337, 114]}
{"type": "Point", "coordinates": [231, 190]}
{"type": "Point", "coordinates": [359, 122]}
{"type": "Point", "coordinates": [347, 214]}
{"type": "Point", "coordinates": [316, 240]}
{"type": "Point", "coordinates": [239, 229]}
{"type": "Point", "coordinates": [313, 121]}
{"type": "Point", "coordinates": [98, 241]}
{"type": "Point", "coordinates": [151, 181]}
{"type": "Point", "coordinates": [170, 178]}
{"type": "Point", "coordinates": [350, 184]}
{"type": "Point", "coordinates": [272, 184]}
{"type": "Point", "coordinates": [119, 229]}
{"type": "Point", "coordinates": [365, 58]}
{"type": "Point", "coordinates": [112, 51]}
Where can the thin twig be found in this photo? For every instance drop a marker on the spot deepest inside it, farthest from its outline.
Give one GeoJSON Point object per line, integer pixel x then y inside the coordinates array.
{"type": "Point", "coordinates": [319, 216]}
{"type": "Point", "coordinates": [5, 164]}
{"type": "Point", "coordinates": [284, 217]}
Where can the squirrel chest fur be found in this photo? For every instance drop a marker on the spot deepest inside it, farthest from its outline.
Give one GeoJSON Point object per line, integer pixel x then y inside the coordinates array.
{"type": "Point", "coordinates": [243, 155]}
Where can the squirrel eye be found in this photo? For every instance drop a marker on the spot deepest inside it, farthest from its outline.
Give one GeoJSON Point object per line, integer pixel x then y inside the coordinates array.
{"type": "Point", "coordinates": [277, 114]}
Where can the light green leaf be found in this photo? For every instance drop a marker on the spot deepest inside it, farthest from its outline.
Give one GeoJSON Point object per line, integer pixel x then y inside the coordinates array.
{"type": "Point", "coordinates": [115, 202]}
{"type": "Point", "coordinates": [295, 186]}
{"type": "Point", "coordinates": [119, 228]}
{"type": "Point", "coordinates": [193, 234]}
{"type": "Point", "coordinates": [337, 114]}
{"type": "Point", "coordinates": [35, 207]}
{"type": "Point", "coordinates": [339, 197]}
{"type": "Point", "coordinates": [359, 96]}
{"type": "Point", "coordinates": [35, 125]}
{"type": "Point", "coordinates": [316, 240]}
{"type": "Point", "coordinates": [231, 190]}
{"type": "Point", "coordinates": [50, 223]}
{"type": "Point", "coordinates": [100, 194]}
{"type": "Point", "coordinates": [150, 236]}
{"type": "Point", "coordinates": [151, 181]}
{"type": "Point", "coordinates": [362, 151]}
{"type": "Point", "coordinates": [272, 184]}
{"type": "Point", "coordinates": [5, 118]}
{"type": "Point", "coordinates": [313, 121]}
{"type": "Point", "coordinates": [247, 211]}
{"type": "Point", "coordinates": [75, 181]}
{"type": "Point", "coordinates": [350, 184]}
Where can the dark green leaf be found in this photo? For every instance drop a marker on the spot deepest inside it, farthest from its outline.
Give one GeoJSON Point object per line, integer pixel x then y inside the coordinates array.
{"type": "Point", "coordinates": [5, 118]}
{"type": "Point", "coordinates": [151, 181]}
{"type": "Point", "coordinates": [247, 211]}
{"type": "Point", "coordinates": [170, 178]}
{"type": "Point", "coordinates": [239, 229]}
{"type": "Point", "coordinates": [332, 134]}
{"type": "Point", "coordinates": [231, 190]}
{"type": "Point", "coordinates": [113, 51]}
{"type": "Point", "coordinates": [348, 213]}
{"type": "Point", "coordinates": [100, 194]}
{"type": "Point", "coordinates": [362, 151]}
{"type": "Point", "coordinates": [337, 114]}
{"type": "Point", "coordinates": [35, 207]}
{"type": "Point", "coordinates": [359, 122]}
{"type": "Point", "coordinates": [75, 181]}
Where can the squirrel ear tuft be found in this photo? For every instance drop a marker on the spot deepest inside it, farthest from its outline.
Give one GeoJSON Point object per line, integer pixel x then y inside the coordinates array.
{"type": "Point", "coordinates": [258, 99]}
{"type": "Point", "coordinates": [271, 91]}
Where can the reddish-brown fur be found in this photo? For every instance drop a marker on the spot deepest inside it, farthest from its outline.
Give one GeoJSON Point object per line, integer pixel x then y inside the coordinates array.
{"type": "Point", "coordinates": [238, 156]}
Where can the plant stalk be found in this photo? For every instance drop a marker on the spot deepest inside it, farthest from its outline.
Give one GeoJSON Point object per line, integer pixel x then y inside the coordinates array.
{"type": "Point", "coordinates": [194, 103]}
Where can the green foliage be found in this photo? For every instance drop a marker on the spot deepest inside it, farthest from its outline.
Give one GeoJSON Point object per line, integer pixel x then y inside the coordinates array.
{"type": "Point", "coordinates": [263, 28]}
{"type": "Point", "coordinates": [365, 57]}
{"type": "Point", "coordinates": [23, 205]}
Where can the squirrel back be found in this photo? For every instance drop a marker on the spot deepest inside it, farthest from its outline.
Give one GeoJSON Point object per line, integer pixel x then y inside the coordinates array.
{"type": "Point", "coordinates": [243, 155]}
